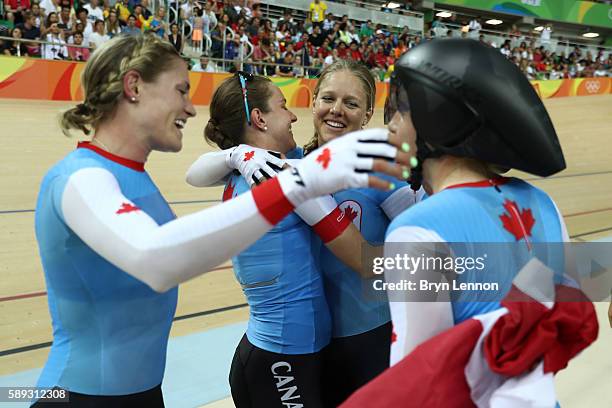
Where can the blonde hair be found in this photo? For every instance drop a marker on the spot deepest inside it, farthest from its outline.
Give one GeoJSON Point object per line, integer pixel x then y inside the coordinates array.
{"type": "Point", "coordinates": [102, 78]}
{"type": "Point", "coordinates": [365, 78]}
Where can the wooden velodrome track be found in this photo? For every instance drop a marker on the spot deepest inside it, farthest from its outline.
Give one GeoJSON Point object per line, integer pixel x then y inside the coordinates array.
{"type": "Point", "coordinates": [32, 142]}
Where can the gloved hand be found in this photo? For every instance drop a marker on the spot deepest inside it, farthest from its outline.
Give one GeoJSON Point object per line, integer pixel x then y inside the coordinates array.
{"type": "Point", "coordinates": [344, 163]}
{"type": "Point", "coordinates": [255, 164]}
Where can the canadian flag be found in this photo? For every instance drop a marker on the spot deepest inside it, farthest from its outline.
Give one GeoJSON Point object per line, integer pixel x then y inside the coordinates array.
{"type": "Point", "coordinates": [502, 359]}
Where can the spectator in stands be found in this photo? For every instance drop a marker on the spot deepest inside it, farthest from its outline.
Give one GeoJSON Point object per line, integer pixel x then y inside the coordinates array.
{"type": "Point", "coordinates": [316, 38]}
{"type": "Point", "coordinates": [82, 16]}
{"type": "Point", "coordinates": [438, 27]}
{"type": "Point", "coordinates": [216, 36]}
{"type": "Point", "coordinates": [545, 36]}
{"type": "Point", "coordinates": [268, 56]}
{"type": "Point", "coordinates": [599, 70]}
{"type": "Point", "coordinates": [256, 10]}
{"type": "Point", "coordinates": [112, 24]}
{"type": "Point", "coordinates": [288, 21]}
{"type": "Point", "coordinates": [252, 29]}
{"type": "Point", "coordinates": [205, 65]}
{"type": "Point", "coordinates": [78, 53]}
{"type": "Point", "coordinates": [342, 50]}
{"type": "Point", "coordinates": [65, 22]}
{"type": "Point", "coordinates": [146, 12]}
{"type": "Point", "coordinates": [94, 12]}
{"type": "Point", "coordinates": [331, 57]}
{"type": "Point", "coordinates": [78, 28]}
{"type": "Point", "coordinates": [328, 23]}
{"type": "Point", "coordinates": [284, 67]}
{"type": "Point", "coordinates": [175, 38]}
{"type": "Point", "coordinates": [232, 9]}
{"type": "Point", "coordinates": [29, 31]}
{"type": "Point", "coordinates": [4, 32]}
{"type": "Point", "coordinates": [49, 6]}
{"type": "Point", "coordinates": [345, 20]}
{"type": "Point", "coordinates": [231, 47]}
{"type": "Point", "coordinates": [400, 49]}
{"type": "Point", "coordinates": [474, 28]}
{"type": "Point", "coordinates": [37, 13]}
{"type": "Point", "coordinates": [16, 48]}
{"type": "Point", "coordinates": [343, 33]}
{"type": "Point", "coordinates": [589, 70]}
{"type": "Point", "coordinates": [52, 18]}
{"type": "Point", "coordinates": [187, 8]}
{"type": "Point", "coordinates": [98, 37]}
{"type": "Point", "coordinates": [55, 48]}
{"type": "Point", "coordinates": [334, 35]}
{"type": "Point", "coordinates": [514, 32]}
{"type": "Point", "coordinates": [197, 35]}
{"type": "Point", "coordinates": [353, 36]}
{"type": "Point", "coordinates": [123, 11]}
{"type": "Point", "coordinates": [143, 23]}
{"type": "Point", "coordinates": [316, 12]}
{"type": "Point", "coordinates": [298, 68]}
{"type": "Point", "coordinates": [130, 28]}
{"type": "Point", "coordinates": [17, 8]}
{"type": "Point", "coordinates": [367, 29]}
{"type": "Point", "coordinates": [158, 24]}
{"type": "Point", "coordinates": [209, 20]}
{"type": "Point", "coordinates": [505, 49]}
{"type": "Point", "coordinates": [354, 52]}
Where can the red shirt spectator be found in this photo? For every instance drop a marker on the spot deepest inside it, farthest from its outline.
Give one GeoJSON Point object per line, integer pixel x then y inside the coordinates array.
{"type": "Point", "coordinates": [342, 51]}
{"type": "Point", "coordinates": [14, 4]}
{"type": "Point", "coordinates": [380, 59]}
{"type": "Point", "coordinates": [356, 55]}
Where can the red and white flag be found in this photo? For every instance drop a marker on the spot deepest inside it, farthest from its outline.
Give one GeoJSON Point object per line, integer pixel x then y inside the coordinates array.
{"type": "Point", "coordinates": [502, 359]}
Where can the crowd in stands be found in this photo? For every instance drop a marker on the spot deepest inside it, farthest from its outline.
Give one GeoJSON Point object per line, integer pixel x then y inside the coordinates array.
{"type": "Point", "coordinates": [287, 47]}
{"type": "Point", "coordinates": [71, 30]}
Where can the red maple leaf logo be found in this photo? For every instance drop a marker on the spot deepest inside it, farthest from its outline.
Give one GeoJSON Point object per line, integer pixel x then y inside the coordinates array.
{"type": "Point", "coordinates": [518, 223]}
{"type": "Point", "coordinates": [350, 212]}
{"type": "Point", "coordinates": [126, 208]}
{"type": "Point", "coordinates": [228, 193]}
{"type": "Point", "coordinates": [324, 158]}
{"type": "Point", "coordinates": [249, 155]}
{"type": "Point", "coordinates": [393, 336]}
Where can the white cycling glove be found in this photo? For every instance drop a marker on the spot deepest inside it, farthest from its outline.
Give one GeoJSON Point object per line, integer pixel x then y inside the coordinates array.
{"type": "Point", "coordinates": [340, 164]}
{"type": "Point", "coordinates": [255, 164]}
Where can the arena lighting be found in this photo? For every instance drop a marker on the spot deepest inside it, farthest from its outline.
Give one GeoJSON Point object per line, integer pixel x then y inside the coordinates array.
{"type": "Point", "coordinates": [590, 35]}
{"type": "Point", "coordinates": [392, 5]}
{"type": "Point", "coordinates": [444, 14]}
{"type": "Point", "coordinates": [538, 28]}
{"type": "Point", "coordinates": [493, 21]}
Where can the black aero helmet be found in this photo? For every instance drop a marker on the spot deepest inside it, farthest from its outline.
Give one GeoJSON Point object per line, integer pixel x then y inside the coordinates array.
{"type": "Point", "coordinates": [466, 99]}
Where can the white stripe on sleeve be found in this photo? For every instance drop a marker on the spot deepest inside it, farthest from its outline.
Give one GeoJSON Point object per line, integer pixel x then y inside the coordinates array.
{"type": "Point", "coordinates": [160, 256]}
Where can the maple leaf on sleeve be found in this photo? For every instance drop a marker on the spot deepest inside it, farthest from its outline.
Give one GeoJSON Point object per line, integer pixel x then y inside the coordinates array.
{"type": "Point", "coordinates": [228, 193]}
{"type": "Point", "coordinates": [350, 212]}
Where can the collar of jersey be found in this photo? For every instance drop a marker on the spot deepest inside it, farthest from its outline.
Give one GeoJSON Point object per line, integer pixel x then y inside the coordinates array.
{"type": "Point", "coordinates": [497, 181]}
{"type": "Point", "coordinates": [132, 164]}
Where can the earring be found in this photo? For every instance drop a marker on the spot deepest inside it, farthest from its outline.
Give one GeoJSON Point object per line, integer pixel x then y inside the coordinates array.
{"type": "Point", "coordinates": [265, 128]}
{"type": "Point", "coordinates": [133, 99]}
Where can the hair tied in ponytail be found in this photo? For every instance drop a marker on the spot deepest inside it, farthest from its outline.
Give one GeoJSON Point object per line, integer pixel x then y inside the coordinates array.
{"type": "Point", "coordinates": [83, 109]}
